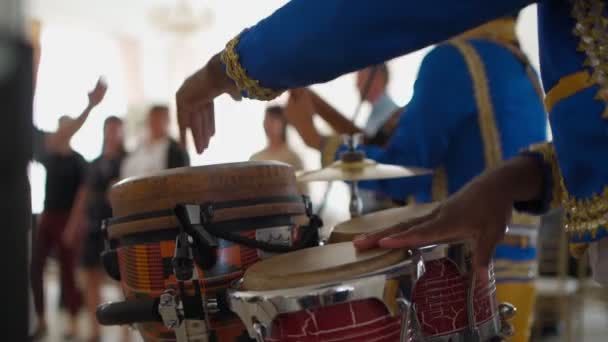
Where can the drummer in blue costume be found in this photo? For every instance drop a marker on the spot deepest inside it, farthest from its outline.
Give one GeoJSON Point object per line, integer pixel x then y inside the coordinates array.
{"type": "Point", "coordinates": [470, 96]}
{"type": "Point", "coordinates": [286, 51]}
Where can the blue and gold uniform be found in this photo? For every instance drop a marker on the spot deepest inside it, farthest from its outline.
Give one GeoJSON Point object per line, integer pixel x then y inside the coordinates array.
{"type": "Point", "coordinates": [470, 97]}
{"type": "Point", "coordinates": [331, 38]}
{"type": "Point", "coordinates": [311, 41]}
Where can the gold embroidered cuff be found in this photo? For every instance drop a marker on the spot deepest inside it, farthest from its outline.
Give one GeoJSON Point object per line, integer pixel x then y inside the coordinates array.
{"type": "Point", "coordinates": [586, 216]}
{"type": "Point", "coordinates": [590, 28]}
{"type": "Point", "coordinates": [238, 74]}
{"type": "Point", "coordinates": [549, 156]}
{"type": "Point", "coordinates": [329, 147]}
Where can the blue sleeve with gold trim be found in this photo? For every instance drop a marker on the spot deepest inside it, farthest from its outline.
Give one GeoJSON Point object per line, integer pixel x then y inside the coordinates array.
{"type": "Point", "coordinates": [443, 100]}
{"type": "Point", "coordinates": [312, 41]}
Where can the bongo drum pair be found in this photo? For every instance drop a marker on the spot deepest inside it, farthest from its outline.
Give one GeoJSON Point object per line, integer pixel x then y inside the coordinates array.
{"type": "Point", "coordinates": [179, 238]}
{"type": "Point", "coordinates": [333, 293]}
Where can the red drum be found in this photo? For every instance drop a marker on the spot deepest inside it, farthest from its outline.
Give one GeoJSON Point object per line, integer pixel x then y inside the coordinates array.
{"type": "Point", "coordinates": [234, 213]}
{"type": "Point", "coordinates": [333, 293]}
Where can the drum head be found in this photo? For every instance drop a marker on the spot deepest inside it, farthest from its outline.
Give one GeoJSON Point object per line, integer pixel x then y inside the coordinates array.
{"type": "Point", "coordinates": [318, 265]}
{"type": "Point", "coordinates": [211, 183]}
{"type": "Point", "coordinates": [370, 223]}
{"type": "Point", "coordinates": [143, 204]}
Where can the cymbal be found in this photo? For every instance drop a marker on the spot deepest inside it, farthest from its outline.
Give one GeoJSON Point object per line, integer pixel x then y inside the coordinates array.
{"type": "Point", "coordinates": [366, 169]}
{"type": "Point", "coordinates": [370, 223]}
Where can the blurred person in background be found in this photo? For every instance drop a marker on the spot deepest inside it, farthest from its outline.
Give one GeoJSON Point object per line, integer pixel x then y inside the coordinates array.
{"type": "Point", "coordinates": [158, 151]}
{"type": "Point", "coordinates": [275, 126]}
{"type": "Point", "coordinates": [371, 84]}
{"type": "Point", "coordinates": [91, 207]}
{"type": "Point", "coordinates": [65, 170]}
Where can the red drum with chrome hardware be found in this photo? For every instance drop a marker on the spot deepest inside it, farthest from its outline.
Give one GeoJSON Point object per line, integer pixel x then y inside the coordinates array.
{"type": "Point", "coordinates": [333, 293]}
{"type": "Point", "coordinates": [433, 281]}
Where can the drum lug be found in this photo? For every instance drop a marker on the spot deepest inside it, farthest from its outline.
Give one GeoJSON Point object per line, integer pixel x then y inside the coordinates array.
{"type": "Point", "coordinates": [506, 329]}
{"type": "Point", "coordinates": [472, 333]}
{"type": "Point", "coordinates": [415, 329]}
{"type": "Point", "coordinates": [507, 311]}
{"type": "Point", "coordinates": [167, 308]}
{"type": "Point", "coordinates": [419, 263]}
{"type": "Point", "coordinates": [405, 308]}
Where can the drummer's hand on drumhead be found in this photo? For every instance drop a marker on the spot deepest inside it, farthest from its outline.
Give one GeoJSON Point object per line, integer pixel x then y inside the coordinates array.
{"type": "Point", "coordinates": [194, 101]}
{"type": "Point", "coordinates": [478, 213]}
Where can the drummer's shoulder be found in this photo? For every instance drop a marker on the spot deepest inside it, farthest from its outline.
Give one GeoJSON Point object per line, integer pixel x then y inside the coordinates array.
{"type": "Point", "coordinates": [443, 53]}
{"type": "Point", "coordinates": [444, 65]}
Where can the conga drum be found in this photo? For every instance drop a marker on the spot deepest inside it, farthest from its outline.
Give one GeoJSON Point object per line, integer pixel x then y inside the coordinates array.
{"type": "Point", "coordinates": [333, 293]}
{"type": "Point", "coordinates": [370, 223]}
{"type": "Point", "coordinates": [180, 237]}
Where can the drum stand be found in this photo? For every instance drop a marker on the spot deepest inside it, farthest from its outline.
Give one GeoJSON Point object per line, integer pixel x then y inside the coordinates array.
{"type": "Point", "coordinates": [187, 315]}
{"type": "Point", "coordinates": [351, 155]}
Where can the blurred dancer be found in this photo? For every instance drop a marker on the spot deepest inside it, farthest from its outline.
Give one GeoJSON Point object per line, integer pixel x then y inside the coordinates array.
{"type": "Point", "coordinates": [92, 206]}
{"type": "Point", "coordinates": [158, 151]}
{"type": "Point", "coordinates": [65, 173]}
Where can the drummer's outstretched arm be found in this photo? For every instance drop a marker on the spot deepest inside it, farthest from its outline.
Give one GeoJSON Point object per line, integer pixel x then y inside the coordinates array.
{"type": "Point", "coordinates": [313, 41]}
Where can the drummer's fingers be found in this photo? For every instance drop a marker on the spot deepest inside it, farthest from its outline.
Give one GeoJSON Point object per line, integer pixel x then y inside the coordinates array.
{"type": "Point", "coordinates": [436, 230]}
{"type": "Point", "coordinates": [207, 123]}
{"type": "Point", "coordinates": [182, 137]}
{"type": "Point", "coordinates": [183, 120]}
{"type": "Point", "coordinates": [198, 131]}
{"type": "Point", "coordinates": [368, 241]}
{"type": "Point", "coordinates": [211, 119]}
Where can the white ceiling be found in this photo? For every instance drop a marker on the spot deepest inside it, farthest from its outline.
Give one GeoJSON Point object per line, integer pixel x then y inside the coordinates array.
{"type": "Point", "coordinates": [129, 16]}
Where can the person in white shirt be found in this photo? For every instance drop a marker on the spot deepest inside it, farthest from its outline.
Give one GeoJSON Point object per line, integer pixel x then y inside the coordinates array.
{"type": "Point", "coordinates": [275, 126]}
{"type": "Point", "coordinates": [158, 151]}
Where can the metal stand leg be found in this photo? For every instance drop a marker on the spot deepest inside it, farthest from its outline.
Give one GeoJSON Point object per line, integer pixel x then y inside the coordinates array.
{"type": "Point", "coordinates": [406, 310]}
{"type": "Point", "coordinates": [259, 332]}
{"type": "Point", "coordinates": [472, 331]}
{"type": "Point", "coordinates": [356, 205]}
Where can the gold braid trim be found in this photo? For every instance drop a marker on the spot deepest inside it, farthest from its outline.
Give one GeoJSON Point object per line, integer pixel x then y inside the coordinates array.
{"type": "Point", "coordinates": [485, 109]}
{"type": "Point", "coordinates": [549, 156]}
{"type": "Point", "coordinates": [591, 28]}
{"type": "Point", "coordinates": [329, 148]}
{"type": "Point", "coordinates": [238, 74]}
{"type": "Point", "coordinates": [586, 215]}
{"type": "Point", "coordinates": [502, 29]}
{"type": "Point", "coordinates": [439, 188]}
{"type": "Point", "coordinates": [567, 86]}
{"type": "Point", "coordinates": [582, 215]}
{"type": "Point", "coordinates": [487, 124]}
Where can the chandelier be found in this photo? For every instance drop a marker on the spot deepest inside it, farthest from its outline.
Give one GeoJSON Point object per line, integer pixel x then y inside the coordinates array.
{"type": "Point", "coordinates": [181, 18]}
